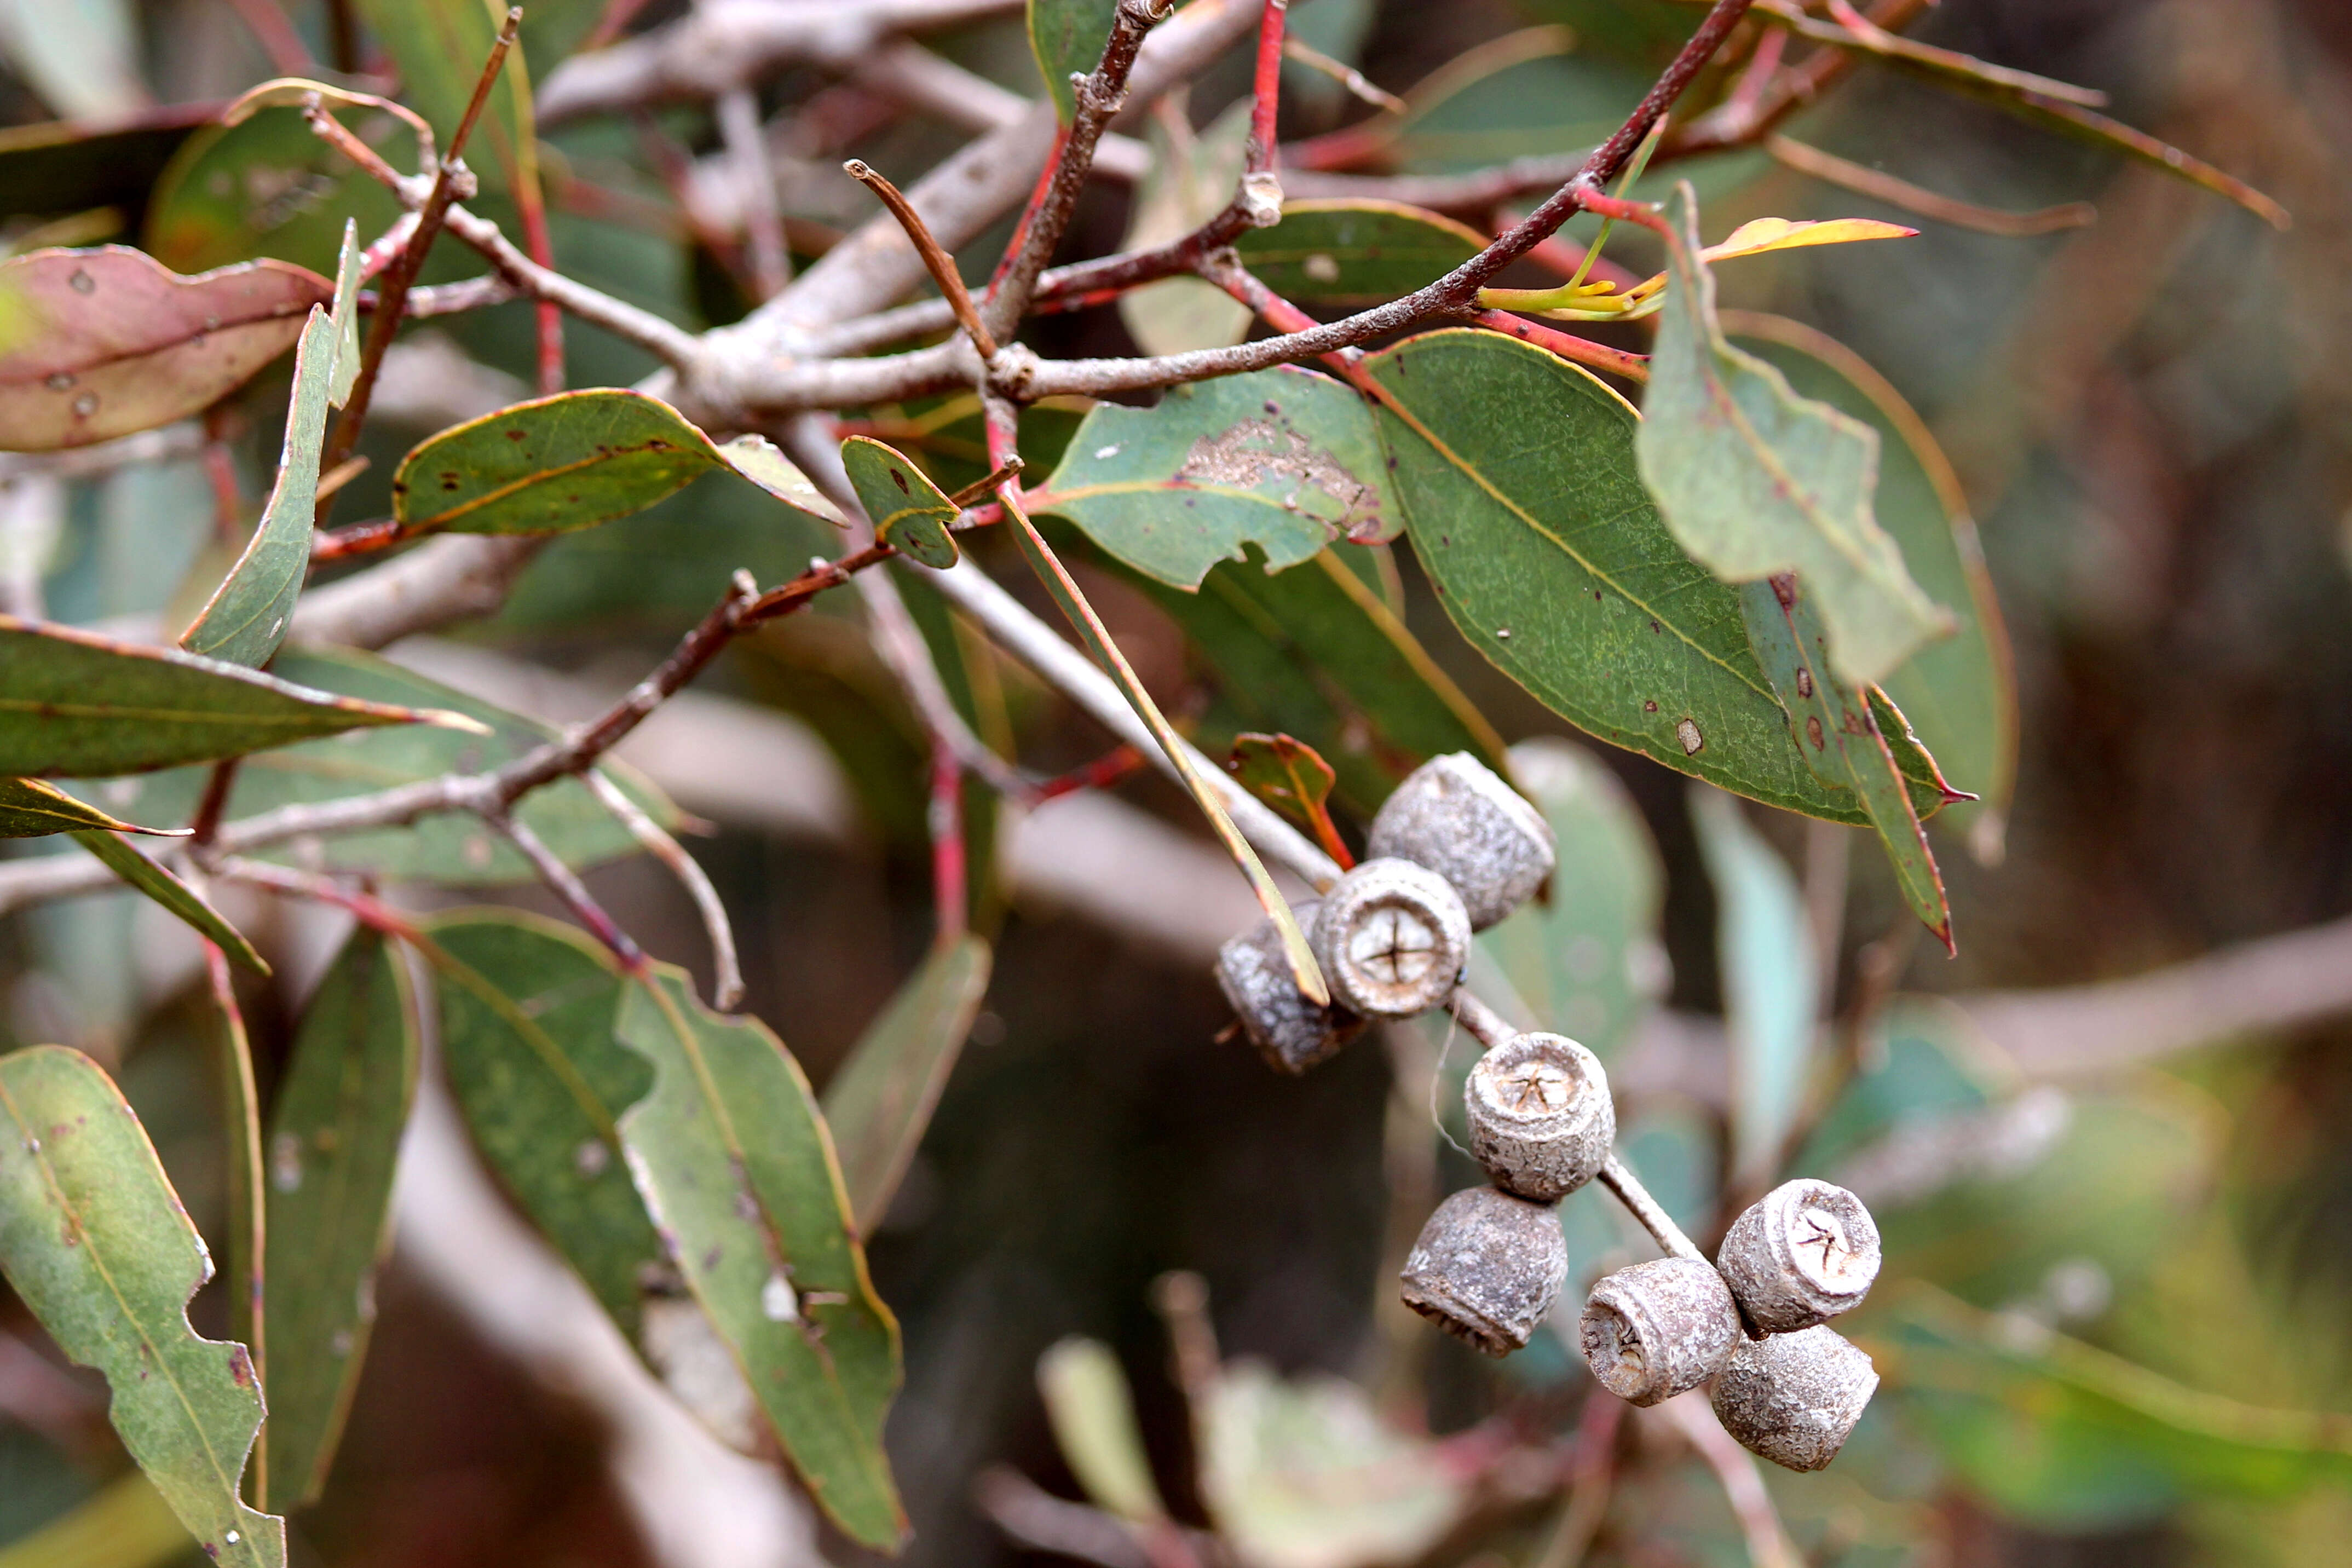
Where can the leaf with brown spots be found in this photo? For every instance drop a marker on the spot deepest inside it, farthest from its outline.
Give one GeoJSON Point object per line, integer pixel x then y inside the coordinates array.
{"type": "Point", "coordinates": [107, 342]}
{"type": "Point", "coordinates": [1291, 777]}
{"type": "Point", "coordinates": [908, 510]}
{"type": "Point", "coordinates": [96, 1244]}
{"type": "Point", "coordinates": [572, 461]}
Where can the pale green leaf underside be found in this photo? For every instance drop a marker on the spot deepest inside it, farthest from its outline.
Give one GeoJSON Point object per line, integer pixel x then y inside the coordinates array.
{"type": "Point", "coordinates": [96, 1244]}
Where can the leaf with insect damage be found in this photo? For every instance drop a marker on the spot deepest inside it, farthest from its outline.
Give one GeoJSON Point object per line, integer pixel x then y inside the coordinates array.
{"type": "Point", "coordinates": [1753, 480]}
{"type": "Point", "coordinates": [1551, 560]}
{"type": "Point", "coordinates": [95, 1243]}
{"type": "Point", "coordinates": [1285, 460]}
{"type": "Point", "coordinates": [575, 460]}
{"type": "Point", "coordinates": [75, 703]}
{"type": "Point", "coordinates": [184, 902]}
{"type": "Point", "coordinates": [736, 1166]}
{"type": "Point", "coordinates": [247, 618]}
{"type": "Point", "coordinates": [1290, 775]}
{"type": "Point", "coordinates": [334, 1137]}
{"type": "Point", "coordinates": [109, 342]}
{"type": "Point", "coordinates": [1841, 734]}
{"type": "Point", "coordinates": [909, 513]}
{"type": "Point", "coordinates": [882, 1096]}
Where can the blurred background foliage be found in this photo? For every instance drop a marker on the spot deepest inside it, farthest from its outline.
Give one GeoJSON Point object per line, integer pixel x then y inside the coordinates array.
{"type": "Point", "coordinates": [2114, 1316]}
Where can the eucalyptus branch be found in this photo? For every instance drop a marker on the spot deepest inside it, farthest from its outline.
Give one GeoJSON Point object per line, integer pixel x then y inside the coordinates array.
{"type": "Point", "coordinates": [565, 884]}
{"type": "Point", "coordinates": [1099, 98]}
{"type": "Point", "coordinates": [727, 968]}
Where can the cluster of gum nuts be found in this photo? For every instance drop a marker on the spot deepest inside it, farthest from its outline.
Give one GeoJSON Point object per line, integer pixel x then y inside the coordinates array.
{"type": "Point", "coordinates": [1452, 851]}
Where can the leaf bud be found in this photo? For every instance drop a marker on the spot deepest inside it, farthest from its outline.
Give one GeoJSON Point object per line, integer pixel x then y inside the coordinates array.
{"type": "Point", "coordinates": [1803, 1253]}
{"type": "Point", "coordinates": [1290, 1031]}
{"type": "Point", "coordinates": [1795, 1398]}
{"type": "Point", "coordinates": [1454, 815]}
{"type": "Point", "coordinates": [1654, 1329]}
{"type": "Point", "coordinates": [1541, 1118]}
{"type": "Point", "coordinates": [1391, 937]}
{"type": "Point", "coordinates": [1487, 1268]}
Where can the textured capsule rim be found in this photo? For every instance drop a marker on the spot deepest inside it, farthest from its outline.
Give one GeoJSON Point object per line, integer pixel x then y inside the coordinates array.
{"type": "Point", "coordinates": [1591, 1097]}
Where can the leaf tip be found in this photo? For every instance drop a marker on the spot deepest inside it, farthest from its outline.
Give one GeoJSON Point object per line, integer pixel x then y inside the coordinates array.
{"type": "Point", "coordinates": [447, 719]}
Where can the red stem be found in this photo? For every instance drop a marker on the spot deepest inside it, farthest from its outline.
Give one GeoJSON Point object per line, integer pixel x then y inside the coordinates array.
{"type": "Point", "coordinates": [1036, 204]}
{"type": "Point", "coordinates": [542, 249]}
{"type": "Point", "coordinates": [1268, 87]}
{"type": "Point", "coordinates": [949, 890]}
{"type": "Point", "coordinates": [1568, 346]}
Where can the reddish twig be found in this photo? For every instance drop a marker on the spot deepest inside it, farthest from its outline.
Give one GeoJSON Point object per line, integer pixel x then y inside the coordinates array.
{"type": "Point", "coordinates": [1266, 105]}
{"type": "Point", "coordinates": [951, 895]}
{"type": "Point", "coordinates": [565, 884]}
{"type": "Point", "coordinates": [1568, 346]}
{"type": "Point", "coordinates": [726, 967]}
{"type": "Point", "coordinates": [1119, 762]}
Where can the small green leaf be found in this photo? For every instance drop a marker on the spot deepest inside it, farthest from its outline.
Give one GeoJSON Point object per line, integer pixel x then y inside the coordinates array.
{"type": "Point", "coordinates": [1068, 38]}
{"type": "Point", "coordinates": [1840, 734]}
{"type": "Point", "coordinates": [248, 615]}
{"type": "Point", "coordinates": [95, 1243]}
{"type": "Point", "coordinates": [1290, 775]}
{"type": "Point", "coordinates": [570, 461]}
{"type": "Point", "coordinates": [1093, 1414]}
{"type": "Point", "coordinates": [1590, 961]}
{"type": "Point", "coordinates": [1551, 561]}
{"type": "Point", "coordinates": [75, 703]}
{"type": "Point", "coordinates": [334, 1133]}
{"type": "Point", "coordinates": [527, 1008]}
{"type": "Point", "coordinates": [1356, 252]}
{"type": "Point", "coordinates": [119, 343]}
{"type": "Point", "coordinates": [909, 513]}
{"type": "Point", "coordinates": [1283, 459]}
{"type": "Point", "coordinates": [1960, 693]}
{"type": "Point", "coordinates": [733, 1159]}
{"type": "Point", "coordinates": [1065, 593]}
{"type": "Point", "coordinates": [31, 809]}
{"type": "Point", "coordinates": [1753, 480]}
{"type": "Point", "coordinates": [881, 1098]}
{"type": "Point", "coordinates": [168, 891]}
{"type": "Point", "coordinates": [449, 847]}
{"type": "Point", "coordinates": [1772, 983]}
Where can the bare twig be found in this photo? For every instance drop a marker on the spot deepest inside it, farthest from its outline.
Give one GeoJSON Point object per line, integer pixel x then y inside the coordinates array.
{"type": "Point", "coordinates": [727, 968]}
{"type": "Point", "coordinates": [764, 223]}
{"type": "Point", "coordinates": [936, 260]}
{"type": "Point", "coordinates": [1653, 1218]}
{"type": "Point", "coordinates": [451, 181]}
{"type": "Point", "coordinates": [1346, 75]}
{"type": "Point", "coordinates": [678, 348]}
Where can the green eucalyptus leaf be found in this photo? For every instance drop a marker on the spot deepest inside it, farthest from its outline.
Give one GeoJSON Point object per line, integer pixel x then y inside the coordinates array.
{"type": "Point", "coordinates": [174, 895]}
{"type": "Point", "coordinates": [31, 809]}
{"type": "Point", "coordinates": [1550, 559]}
{"type": "Point", "coordinates": [1068, 38]}
{"type": "Point", "coordinates": [881, 1098]}
{"type": "Point", "coordinates": [335, 1135]}
{"type": "Point", "coordinates": [1772, 982]}
{"type": "Point", "coordinates": [572, 461]}
{"type": "Point", "coordinates": [1960, 692]}
{"type": "Point", "coordinates": [527, 1008]}
{"type": "Point", "coordinates": [1525, 94]}
{"type": "Point", "coordinates": [449, 847]}
{"type": "Point", "coordinates": [247, 618]}
{"type": "Point", "coordinates": [1839, 731]}
{"type": "Point", "coordinates": [1588, 960]}
{"type": "Point", "coordinates": [1286, 458]}
{"type": "Point", "coordinates": [109, 342]}
{"type": "Point", "coordinates": [96, 1244]}
{"type": "Point", "coordinates": [1753, 480]}
{"type": "Point", "coordinates": [73, 703]}
{"type": "Point", "coordinates": [908, 512]}
{"type": "Point", "coordinates": [1355, 253]}
{"type": "Point", "coordinates": [733, 1160]}
{"type": "Point", "coordinates": [1092, 1412]}
{"type": "Point", "coordinates": [268, 187]}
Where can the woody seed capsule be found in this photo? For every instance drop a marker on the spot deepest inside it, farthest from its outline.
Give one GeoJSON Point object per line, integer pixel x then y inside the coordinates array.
{"type": "Point", "coordinates": [1541, 1118]}
{"type": "Point", "coordinates": [1292, 1033]}
{"type": "Point", "coordinates": [1802, 1254]}
{"type": "Point", "coordinates": [1655, 1328]}
{"type": "Point", "coordinates": [1487, 1268]}
{"type": "Point", "coordinates": [1795, 1398]}
{"type": "Point", "coordinates": [1454, 815]}
{"type": "Point", "coordinates": [1391, 937]}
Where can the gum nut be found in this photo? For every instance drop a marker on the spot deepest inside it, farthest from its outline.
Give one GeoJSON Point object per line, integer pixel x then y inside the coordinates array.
{"type": "Point", "coordinates": [1541, 1118]}
{"type": "Point", "coordinates": [1795, 1398]}
{"type": "Point", "coordinates": [1391, 937]}
{"type": "Point", "coordinates": [1454, 815]}
{"type": "Point", "coordinates": [1655, 1328]}
{"type": "Point", "coordinates": [1292, 1033]}
{"type": "Point", "coordinates": [1800, 1255]}
{"type": "Point", "coordinates": [1487, 1268]}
